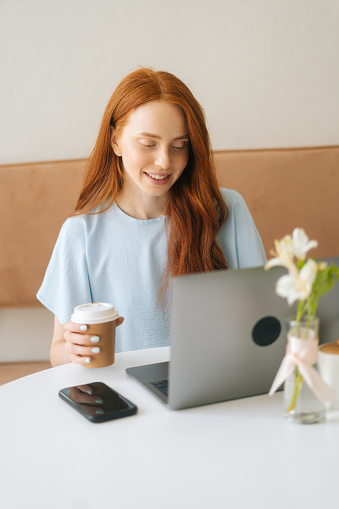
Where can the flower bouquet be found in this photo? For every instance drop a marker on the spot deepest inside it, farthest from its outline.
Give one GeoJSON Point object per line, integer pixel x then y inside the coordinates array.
{"type": "Point", "coordinates": [306, 282]}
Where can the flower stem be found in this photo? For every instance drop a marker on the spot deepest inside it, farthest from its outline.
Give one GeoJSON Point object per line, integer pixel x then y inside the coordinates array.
{"type": "Point", "coordinates": [297, 386]}
{"type": "Point", "coordinates": [300, 310]}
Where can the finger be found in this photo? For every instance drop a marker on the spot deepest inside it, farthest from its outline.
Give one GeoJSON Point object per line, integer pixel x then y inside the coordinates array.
{"type": "Point", "coordinates": [75, 327]}
{"type": "Point", "coordinates": [81, 339]}
{"type": "Point", "coordinates": [121, 320]}
{"type": "Point", "coordinates": [82, 397]}
{"type": "Point", "coordinates": [83, 351]}
{"type": "Point", "coordinates": [78, 395]}
{"type": "Point", "coordinates": [78, 359]}
{"type": "Point", "coordinates": [92, 410]}
{"type": "Point", "coordinates": [85, 388]}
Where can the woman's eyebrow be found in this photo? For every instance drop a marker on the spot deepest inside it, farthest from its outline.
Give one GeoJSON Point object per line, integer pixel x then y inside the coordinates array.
{"type": "Point", "coordinates": [150, 135]}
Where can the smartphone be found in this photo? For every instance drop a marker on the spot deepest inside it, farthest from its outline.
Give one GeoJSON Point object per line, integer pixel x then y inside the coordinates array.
{"type": "Point", "coordinates": [98, 402]}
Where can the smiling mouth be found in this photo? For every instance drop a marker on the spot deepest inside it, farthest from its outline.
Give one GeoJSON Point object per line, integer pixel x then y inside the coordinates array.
{"type": "Point", "coordinates": [157, 176]}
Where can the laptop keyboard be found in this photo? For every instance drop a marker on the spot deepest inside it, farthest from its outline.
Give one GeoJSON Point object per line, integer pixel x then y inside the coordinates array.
{"type": "Point", "coordinates": [162, 385]}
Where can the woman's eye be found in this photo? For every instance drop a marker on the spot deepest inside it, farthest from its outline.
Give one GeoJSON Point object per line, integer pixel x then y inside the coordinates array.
{"type": "Point", "coordinates": [146, 145]}
{"type": "Point", "coordinates": [180, 147]}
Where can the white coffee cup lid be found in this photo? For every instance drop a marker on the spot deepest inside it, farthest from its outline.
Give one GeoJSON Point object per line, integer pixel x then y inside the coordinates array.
{"type": "Point", "coordinates": [96, 312]}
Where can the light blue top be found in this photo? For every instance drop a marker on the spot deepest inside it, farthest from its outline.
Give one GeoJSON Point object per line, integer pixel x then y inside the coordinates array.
{"type": "Point", "coordinates": [112, 257]}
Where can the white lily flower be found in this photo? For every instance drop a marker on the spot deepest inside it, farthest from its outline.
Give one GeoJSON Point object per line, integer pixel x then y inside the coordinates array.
{"type": "Point", "coordinates": [309, 271]}
{"type": "Point", "coordinates": [298, 285]}
{"type": "Point", "coordinates": [286, 286]}
{"type": "Point", "coordinates": [301, 243]}
{"type": "Point", "coordinates": [283, 254]}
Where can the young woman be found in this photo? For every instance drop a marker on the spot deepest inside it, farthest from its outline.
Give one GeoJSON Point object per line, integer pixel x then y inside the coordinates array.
{"type": "Point", "coordinates": [150, 209]}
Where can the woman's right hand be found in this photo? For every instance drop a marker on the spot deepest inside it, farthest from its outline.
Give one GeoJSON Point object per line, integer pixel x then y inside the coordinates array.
{"type": "Point", "coordinates": [71, 344]}
{"type": "Point", "coordinates": [80, 346]}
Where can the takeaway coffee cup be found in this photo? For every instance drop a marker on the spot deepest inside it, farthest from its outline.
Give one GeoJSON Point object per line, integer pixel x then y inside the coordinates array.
{"type": "Point", "coordinates": [100, 319]}
{"type": "Point", "coordinates": [328, 364]}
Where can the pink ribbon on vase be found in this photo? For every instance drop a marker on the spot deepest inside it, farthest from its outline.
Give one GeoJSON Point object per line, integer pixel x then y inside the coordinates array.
{"type": "Point", "coordinates": [302, 353]}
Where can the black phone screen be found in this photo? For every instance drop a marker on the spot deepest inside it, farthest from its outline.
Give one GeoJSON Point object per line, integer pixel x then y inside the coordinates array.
{"type": "Point", "coordinates": [98, 402]}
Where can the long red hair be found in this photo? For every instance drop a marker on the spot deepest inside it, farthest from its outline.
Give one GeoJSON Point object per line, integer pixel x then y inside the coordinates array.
{"type": "Point", "coordinates": [196, 208]}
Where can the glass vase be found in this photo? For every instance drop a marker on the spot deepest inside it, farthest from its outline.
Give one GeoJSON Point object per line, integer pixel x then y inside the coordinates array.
{"type": "Point", "coordinates": [300, 403]}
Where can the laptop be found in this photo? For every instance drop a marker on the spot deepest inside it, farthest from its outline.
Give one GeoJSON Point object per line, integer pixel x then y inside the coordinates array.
{"type": "Point", "coordinates": [227, 337]}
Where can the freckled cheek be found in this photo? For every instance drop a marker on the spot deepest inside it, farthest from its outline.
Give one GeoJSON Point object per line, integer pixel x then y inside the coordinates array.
{"type": "Point", "coordinates": [135, 162]}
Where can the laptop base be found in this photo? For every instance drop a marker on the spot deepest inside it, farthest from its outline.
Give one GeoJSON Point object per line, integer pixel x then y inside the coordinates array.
{"type": "Point", "coordinates": [150, 373]}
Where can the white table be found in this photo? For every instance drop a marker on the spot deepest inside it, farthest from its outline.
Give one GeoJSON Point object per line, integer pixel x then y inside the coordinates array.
{"type": "Point", "coordinates": [237, 454]}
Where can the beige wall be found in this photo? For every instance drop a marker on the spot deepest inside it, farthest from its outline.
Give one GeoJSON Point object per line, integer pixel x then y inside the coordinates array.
{"type": "Point", "coordinates": [266, 71]}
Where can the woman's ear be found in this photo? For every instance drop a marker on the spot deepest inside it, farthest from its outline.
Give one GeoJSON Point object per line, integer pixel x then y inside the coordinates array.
{"type": "Point", "coordinates": [115, 143]}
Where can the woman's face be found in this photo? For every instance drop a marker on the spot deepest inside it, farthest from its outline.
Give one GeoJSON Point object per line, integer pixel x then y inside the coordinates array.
{"type": "Point", "coordinates": [154, 147]}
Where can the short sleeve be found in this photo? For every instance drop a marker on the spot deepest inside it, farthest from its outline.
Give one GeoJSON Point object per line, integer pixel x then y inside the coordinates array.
{"type": "Point", "coordinates": [239, 237]}
{"type": "Point", "coordinates": [66, 282]}
{"type": "Point", "coordinates": [250, 250]}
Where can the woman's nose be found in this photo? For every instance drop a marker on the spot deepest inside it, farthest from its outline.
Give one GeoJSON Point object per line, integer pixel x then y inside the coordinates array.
{"type": "Point", "coordinates": [163, 159]}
